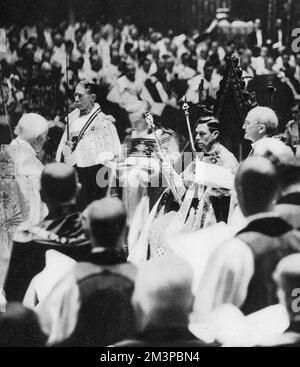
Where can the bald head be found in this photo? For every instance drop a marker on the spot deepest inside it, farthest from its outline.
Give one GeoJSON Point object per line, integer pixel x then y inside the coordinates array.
{"type": "Point", "coordinates": [106, 220]}
{"type": "Point", "coordinates": [33, 128]}
{"type": "Point", "coordinates": [59, 183]}
{"type": "Point", "coordinates": [260, 122]}
{"type": "Point", "coordinates": [163, 292]}
{"type": "Point", "coordinates": [22, 328]}
{"type": "Point", "coordinates": [257, 185]}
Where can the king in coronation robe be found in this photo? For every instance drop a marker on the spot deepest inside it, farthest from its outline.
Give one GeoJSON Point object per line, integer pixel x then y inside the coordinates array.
{"type": "Point", "coordinates": [197, 201]}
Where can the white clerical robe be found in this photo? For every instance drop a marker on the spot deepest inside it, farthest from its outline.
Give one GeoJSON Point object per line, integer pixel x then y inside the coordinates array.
{"type": "Point", "coordinates": [101, 137]}
{"type": "Point", "coordinates": [20, 201]}
{"type": "Point", "coordinates": [28, 170]}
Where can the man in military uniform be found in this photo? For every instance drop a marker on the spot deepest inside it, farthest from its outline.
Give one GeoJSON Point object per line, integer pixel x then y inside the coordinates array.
{"type": "Point", "coordinates": [61, 230]}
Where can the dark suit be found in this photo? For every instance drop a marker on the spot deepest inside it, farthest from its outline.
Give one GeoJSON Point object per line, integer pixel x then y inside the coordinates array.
{"type": "Point", "coordinates": [93, 302]}
{"type": "Point", "coordinates": [270, 239]}
{"type": "Point", "coordinates": [252, 43]}
{"type": "Point", "coordinates": [288, 208]}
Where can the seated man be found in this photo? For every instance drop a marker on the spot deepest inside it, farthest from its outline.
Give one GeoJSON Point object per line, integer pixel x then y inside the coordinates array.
{"type": "Point", "coordinates": [61, 230]}
{"type": "Point", "coordinates": [90, 306]}
{"type": "Point", "coordinates": [162, 302]}
{"type": "Point", "coordinates": [240, 270]}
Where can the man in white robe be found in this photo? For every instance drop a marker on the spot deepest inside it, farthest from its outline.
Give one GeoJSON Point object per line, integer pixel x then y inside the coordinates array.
{"type": "Point", "coordinates": [20, 200]}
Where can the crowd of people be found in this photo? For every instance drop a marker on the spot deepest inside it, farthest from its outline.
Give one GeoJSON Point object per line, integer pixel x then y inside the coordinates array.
{"type": "Point", "coordinates": [41, 64]}
{"type": "Point", "coordinates": [110, 236]}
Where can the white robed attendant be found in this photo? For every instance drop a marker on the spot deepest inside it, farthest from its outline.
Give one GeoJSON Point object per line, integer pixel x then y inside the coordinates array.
{"type": "Point", "coordinates": [20, 201]}
{"type": "Point", "coordinates": [100, 135]}
{"type": "Point", "coordinates": [92, 142]}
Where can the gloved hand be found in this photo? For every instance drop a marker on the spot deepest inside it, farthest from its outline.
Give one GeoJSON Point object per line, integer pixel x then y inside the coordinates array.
{"type": "Point", "coordinates": [67, 149]}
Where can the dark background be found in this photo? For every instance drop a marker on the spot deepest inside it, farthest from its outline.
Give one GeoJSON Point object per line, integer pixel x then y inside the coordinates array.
{"type": "Point", "coordinates": [181, 15]}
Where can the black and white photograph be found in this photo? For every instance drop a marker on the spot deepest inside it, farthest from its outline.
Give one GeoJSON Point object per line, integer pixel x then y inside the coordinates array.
{"type": "Point", "coordinates": [149, 176]}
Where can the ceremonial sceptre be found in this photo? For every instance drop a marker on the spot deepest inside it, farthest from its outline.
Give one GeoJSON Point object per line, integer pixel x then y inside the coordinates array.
{"type": "Point", "coordinates": [271, 91]}
{"type": "Point", "coordinates": [185, 108]}
{"type": "Point", "coordinates": [67, 95]}
{"type": "Point", "coordinates": [149, 120]}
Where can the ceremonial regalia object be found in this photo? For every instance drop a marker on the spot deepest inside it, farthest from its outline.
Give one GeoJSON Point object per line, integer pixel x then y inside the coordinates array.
{"type": "Point", "coordinates": [142, 179]}
{"type": "Point", "coordinates": [233, 103]}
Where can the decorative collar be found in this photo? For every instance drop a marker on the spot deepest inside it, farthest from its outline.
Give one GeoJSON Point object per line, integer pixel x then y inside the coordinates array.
{"type": "Point", "coordinates": [84, 113]}
{"type": "Point", "coordinates": [62, 211]}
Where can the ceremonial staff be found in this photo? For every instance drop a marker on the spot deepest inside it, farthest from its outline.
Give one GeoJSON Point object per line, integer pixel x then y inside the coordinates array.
{"type": "Point", "coordinates": [271, 90]}
{"type": "Point", "coordinates": [67, 95]}
{"type": "Point", "coordinates": [5, 110]}
{"type": "Point", "coordinates": [3, 49]}
{"type": "Point", "coordinates": [185, 108]}
{"type": "Point", "coordinates": [149, 120]}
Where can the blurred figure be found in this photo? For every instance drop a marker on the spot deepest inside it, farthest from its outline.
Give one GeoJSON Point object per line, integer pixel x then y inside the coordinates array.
{"type": "Point", "coordinates": [287, 277]}
{"type": "Point", "coordinates": [288, 204]}
{"type": "Point", "coordinates": [278, 37]}
{"type": "Point", "coordinates": [260, 61]}
{"type": "Point", "coordinates": [61, 230]}
{"type": "Point", "coordinates": [256, 38]}
{"type": "Point", "coordinates": [127, 91]}
{"type": "Point", "coordinates": [90, 306]}
{"type": "Point", "coordinates": [240, 270]}
{"type": "Point", "coordinates": [31, 131]}
{"type": "Point", "coordinates": [19, 327]}
{"type": "Point", "coordinates": [248, 71]}
{"type": "Point", "coordinates": [162, 302]}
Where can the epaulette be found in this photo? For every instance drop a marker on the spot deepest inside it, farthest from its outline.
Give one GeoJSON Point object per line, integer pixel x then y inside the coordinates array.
{"type": "Point", "coordinates": [48, 235]}
{"type": "Point", "coordinates": [38, 233]}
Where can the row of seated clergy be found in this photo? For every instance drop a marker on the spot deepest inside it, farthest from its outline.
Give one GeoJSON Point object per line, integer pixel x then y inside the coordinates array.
{"type": "Point", "coordinates": [240, 270]}
{"type": "Point", "coordinates": [61, 230]}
